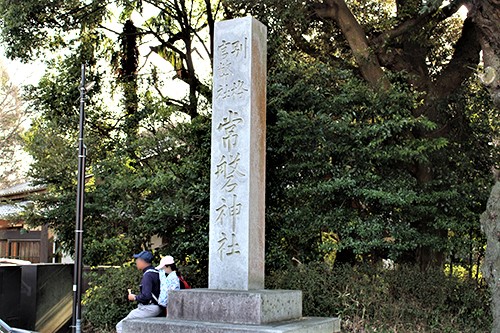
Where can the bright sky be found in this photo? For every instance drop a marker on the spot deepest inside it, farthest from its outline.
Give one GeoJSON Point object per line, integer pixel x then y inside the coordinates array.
{"type": "Point", "coordinates": [22, 74]}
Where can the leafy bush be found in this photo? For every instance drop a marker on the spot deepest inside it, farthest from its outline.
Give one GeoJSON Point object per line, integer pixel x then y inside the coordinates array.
{"type": "Point", "coordinates": [367, 298]}
{"type": "Point", "coordinates": [370, 299]}
{"type": "Point", "coordinates": [105, 302]}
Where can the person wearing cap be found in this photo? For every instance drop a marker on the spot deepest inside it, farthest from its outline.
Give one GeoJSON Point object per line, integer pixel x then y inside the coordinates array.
{"type": "Point", "coordinates": [147, 299]}
{"type": "Point", "coordinates": [168, 279]}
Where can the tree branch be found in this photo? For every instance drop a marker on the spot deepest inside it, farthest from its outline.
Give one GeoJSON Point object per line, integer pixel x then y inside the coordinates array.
{"type": "Point", "coordinates": [169, 43]}
{"type": "Point", "coordinates": [460, 67]}
{"type": "Point", "coordinates": [108, 29]}
{"type": "Point", "coordinates": [486, 15]}
{"type": "Point", "coordinates": [408, 25]}
{"type": "Point", "coordinates": [367, 61]}
{"type": "Point", "coordinates": [211, 25]}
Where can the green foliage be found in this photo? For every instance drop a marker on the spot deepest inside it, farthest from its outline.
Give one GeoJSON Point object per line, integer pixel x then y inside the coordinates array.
{"type": "Point", "coordinates": [32, 26]}
{"type": "Point", "coordinates": [11, 117]}
{"type": "Point", "coordinates": [388, 174]}
{"type": "Point", "coordinates": [371, 299]}
{"type": "Point", "coordinates": [342, 159]}
{"type": "Point", "coordinates": [105, 302]}
{"type": "Point", "coordinates": [367, 298]}
{"type": "Point", "coordinates": [160, 190]}
{"type": "Point", "coordinates": [147, 167]}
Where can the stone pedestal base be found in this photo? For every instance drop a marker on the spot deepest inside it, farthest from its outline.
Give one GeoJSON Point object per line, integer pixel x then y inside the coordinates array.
{"type": "Point", "coordinates": [226, 311]}
{"type": "Point", "coordinates": [255, 307]}
{"type": "Point", "coordinates": [165, 325]}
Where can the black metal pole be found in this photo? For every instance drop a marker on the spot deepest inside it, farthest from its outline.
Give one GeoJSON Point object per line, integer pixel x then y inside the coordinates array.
{"type": "Point", "coordinates": [78, 267]}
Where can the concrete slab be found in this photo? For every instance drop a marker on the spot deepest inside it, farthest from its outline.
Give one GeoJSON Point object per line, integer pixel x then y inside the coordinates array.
{"type": "Point", "coordinates": [235, 307]}
{"type": "Point", "coordinates": [165, 325]}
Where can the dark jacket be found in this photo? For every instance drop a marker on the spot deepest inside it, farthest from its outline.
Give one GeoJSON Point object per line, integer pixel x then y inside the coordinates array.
{"type": "Point", "coordinates": [150, 285]}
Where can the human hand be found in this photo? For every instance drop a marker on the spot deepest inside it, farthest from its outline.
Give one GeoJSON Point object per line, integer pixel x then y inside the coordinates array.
{"type": "Point", "coordinates": [131, 297]}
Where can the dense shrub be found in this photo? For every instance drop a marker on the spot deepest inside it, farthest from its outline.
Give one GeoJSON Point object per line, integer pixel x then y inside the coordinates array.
{"type": "Point", "coordinates": [105, 302]}
{"type": "Point", "coordinates": [367, 298]}
{"type": "Point", "coordinates": [370, 299]}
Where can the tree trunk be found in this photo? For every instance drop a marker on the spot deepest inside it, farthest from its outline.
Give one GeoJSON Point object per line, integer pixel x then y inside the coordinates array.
{"type": "Point", "coordinates": [367, 61]}
{"type": "Point", "coordinates": [128, 77]}
{"type": "Point", "coordinates": [490, 223]}
{"type": "Point", "coordinates": [486, 15]}
{"type": "Point", "coordinates": [404, 49]}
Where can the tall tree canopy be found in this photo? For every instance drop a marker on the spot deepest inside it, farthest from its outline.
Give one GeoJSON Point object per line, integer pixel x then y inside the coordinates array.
{"type": "Point", "coordinates": [426, 51]}
{"type": "Point", "coordinates": [380, 137]}
{"type": "Point", "coordinates": [140, 125]}
{"type": "Point", "coordinates": [11, 117]}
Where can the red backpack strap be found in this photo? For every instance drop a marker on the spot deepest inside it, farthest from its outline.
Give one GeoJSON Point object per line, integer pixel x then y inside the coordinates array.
{"type": "Point", "coordinates": [184, 283]}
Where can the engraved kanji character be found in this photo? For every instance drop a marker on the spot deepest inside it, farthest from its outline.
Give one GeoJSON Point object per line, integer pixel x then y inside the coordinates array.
{"type": "Point", "coordinates": [234, 247]}
{"type": "Point", "coordinates": [222, 242]}
{"type": "Point", "coordinates": [222, 211]}
{"type": "Point", "coordinates": [228, 124]}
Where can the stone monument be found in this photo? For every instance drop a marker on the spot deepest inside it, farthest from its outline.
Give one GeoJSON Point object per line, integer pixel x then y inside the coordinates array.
{"type": "Point", "coordinates": [236, 300]}
{"type": "Point", "coordinates": [237, 186]}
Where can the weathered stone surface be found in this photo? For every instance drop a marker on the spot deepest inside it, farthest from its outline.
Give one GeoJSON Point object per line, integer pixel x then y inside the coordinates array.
{"type": "Point", "coordinates": [236, 307]}
{"type": "Point", "coordinates": [165, 325]}
{"type": "Point", "coordinates": [237, 180]}
{"type": "Point", "coordinates": [490, 223]}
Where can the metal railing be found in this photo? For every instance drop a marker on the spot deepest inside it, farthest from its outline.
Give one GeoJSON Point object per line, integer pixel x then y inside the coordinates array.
{"type": "Point", "coordinates": [4, 328]}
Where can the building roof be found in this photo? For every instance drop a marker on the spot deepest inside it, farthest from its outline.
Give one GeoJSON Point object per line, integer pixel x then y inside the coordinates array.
{"type": "Point", "coordinates": [7, 210]}
{"type": "Point", "coordinates": [9, 262]}
{"type": "Point", "coordinates": [23, 188]}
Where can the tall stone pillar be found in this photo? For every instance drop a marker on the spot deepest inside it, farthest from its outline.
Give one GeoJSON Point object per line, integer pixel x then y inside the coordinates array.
{"type": "Point", "coordinates": [237, 184]}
